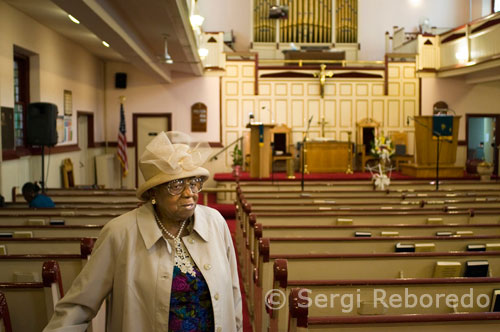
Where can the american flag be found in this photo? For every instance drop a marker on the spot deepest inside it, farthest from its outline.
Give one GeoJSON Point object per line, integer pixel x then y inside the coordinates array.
{"type": "Point", "coordinates": [122, 143]}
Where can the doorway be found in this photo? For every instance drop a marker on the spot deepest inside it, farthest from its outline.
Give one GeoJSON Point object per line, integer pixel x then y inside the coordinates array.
{"type": "Point", "coordinates": [86, 164]}
{"type": "Point", "coordinates": [482, 140]}
{"type": "Point", "coordinates": [146, 127]}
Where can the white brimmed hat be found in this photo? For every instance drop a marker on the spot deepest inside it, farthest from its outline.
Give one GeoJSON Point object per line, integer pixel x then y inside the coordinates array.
{"type": "Point", "coordinates": [170, 156]}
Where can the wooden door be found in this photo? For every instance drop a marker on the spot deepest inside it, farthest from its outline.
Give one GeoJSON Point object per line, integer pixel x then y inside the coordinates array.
{"type": "Point", "coordinates": [146, 127]}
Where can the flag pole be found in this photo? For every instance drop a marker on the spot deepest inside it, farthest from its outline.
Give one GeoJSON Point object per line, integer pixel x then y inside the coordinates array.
{"type": "Point", "coordinates": [122, 101]}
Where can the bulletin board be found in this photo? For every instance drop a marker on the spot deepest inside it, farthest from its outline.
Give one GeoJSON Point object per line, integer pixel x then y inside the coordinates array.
{"type": "Point", "coordinates": [199, 117]}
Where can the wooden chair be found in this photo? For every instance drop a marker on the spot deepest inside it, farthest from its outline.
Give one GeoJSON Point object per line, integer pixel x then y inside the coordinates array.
{"type": "Point", "coordinates": [366, 131]}
{"type": "Point", "coordinates": [67, 173]}
{"type": "Point", "coordinates": [400, 142]}
{"type": "Point", "coordinates": [281, 143]}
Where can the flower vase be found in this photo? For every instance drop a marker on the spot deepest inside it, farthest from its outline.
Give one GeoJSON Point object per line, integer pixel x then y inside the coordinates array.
{"type": "Point", "coordinates": [236, 171]}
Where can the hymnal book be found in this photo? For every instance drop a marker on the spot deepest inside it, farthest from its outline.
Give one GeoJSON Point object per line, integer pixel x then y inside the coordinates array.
{"type": "Point", "coordinates": [57, 222]}
{"type": "Point", "coordinates": [425, 247]}
{"type": "Point", "coordinates": [405, 247]}
{"type": "Point", "coordinates": [371, 308]}
{"type": "Point", "coordinates": [36, 222]}
{"type": "Point", "coordinates": [344, 221]}
{"type": "Point", "coordinates": [495, 300]}
{"type": "Point", "coordinates": [477, 268]}
{"type": "Point", "coordinates": [362, 234]}
{"type": "Point", "coordinates": [464, 233]}
{"type": "Point", "coordinates": [476, 247]}
{"type": "Point", "coordinates": [23, 234]}
{"type": "Point", "coordinates": [492, 246]}
{"type": "Point", "coordinates": [434, 221]}
{"type": "Point", "coordinates": [5, 235]}
{"type": "Point", "coordinates": [444, 233]}
{"type": "Point", "coordinates": [447, 270]}
{"type": "Point", "coordinates": [3, 250]}
{"type": "Point", "coordinates": [389, 233]}
{"type": "Point", "coordinates": [26, 277]}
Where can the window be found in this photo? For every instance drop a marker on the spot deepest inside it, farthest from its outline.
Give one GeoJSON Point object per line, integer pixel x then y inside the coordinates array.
{"type": "Point", "coordinates": [496, 6]}
{"type": "Point", "coordinates": [21, 97]}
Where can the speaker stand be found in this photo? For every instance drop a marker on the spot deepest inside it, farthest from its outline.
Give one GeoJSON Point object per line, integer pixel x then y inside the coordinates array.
{"type": "Point", "coordinates": [42, 182]}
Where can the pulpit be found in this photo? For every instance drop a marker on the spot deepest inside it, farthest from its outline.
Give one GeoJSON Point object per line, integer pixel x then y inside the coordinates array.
{"type": "Point", "coordinates": [426, 146]}
{"type": "Point", "coordinates": [260, 149]}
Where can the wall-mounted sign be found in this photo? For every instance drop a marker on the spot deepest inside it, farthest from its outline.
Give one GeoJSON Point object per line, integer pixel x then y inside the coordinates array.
{"type": "Point", "coordinates": [68, 103]}
{"type": "Point", "coordinates": [199, 117]}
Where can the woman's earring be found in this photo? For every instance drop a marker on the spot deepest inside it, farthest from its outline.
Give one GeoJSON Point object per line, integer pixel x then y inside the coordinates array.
{"type": "Point", "coordinates": [153, 201]}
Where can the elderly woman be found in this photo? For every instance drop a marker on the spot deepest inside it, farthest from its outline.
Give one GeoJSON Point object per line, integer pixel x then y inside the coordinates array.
{"type": "Point", "coordinates": [168, 265]}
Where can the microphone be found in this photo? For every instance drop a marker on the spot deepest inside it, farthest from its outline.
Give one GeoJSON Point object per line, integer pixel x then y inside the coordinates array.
{"type": "Point", "coordinates": [310, 119]}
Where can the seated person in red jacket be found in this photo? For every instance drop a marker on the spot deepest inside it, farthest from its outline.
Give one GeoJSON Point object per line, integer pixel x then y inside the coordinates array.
{"type": "Point", "coordinates": [34, 198]}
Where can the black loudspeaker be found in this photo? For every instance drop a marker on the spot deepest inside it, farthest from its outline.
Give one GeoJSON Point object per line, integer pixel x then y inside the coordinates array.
{"type": "Point", "coordinates": [41, 124]}
{"type": "Point", "coordinates": [121, 80]}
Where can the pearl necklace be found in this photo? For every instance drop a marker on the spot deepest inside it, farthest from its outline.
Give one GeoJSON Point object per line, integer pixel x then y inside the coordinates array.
{"type": "Point", "coordinates": [182, 258]}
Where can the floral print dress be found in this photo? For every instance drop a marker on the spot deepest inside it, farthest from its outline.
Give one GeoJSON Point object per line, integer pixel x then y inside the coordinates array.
{"type": "Point", "coordinates": [190, 303]}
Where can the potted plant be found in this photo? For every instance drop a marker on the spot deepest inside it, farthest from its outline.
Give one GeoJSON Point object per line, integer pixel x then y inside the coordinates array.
{"type": "Point", "coordinates": [237, 155]}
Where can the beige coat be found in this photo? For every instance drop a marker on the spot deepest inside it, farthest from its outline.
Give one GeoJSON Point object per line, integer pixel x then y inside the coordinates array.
{"type": "Point", "coordinates": [132, 262]}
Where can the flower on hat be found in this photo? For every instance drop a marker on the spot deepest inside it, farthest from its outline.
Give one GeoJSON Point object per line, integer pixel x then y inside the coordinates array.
{"type": "Point", "coordinates": [170, 156]}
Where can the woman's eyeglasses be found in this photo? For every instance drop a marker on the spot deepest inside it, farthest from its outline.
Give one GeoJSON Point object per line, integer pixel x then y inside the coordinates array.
{"type": "Point", "coordinates": [176, 187]}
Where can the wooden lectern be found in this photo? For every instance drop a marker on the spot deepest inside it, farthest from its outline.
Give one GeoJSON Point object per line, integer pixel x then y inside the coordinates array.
{"type": "Point", "coordinates": [427, 143]}
{"type": "Point", "coordinates": [260, 149]}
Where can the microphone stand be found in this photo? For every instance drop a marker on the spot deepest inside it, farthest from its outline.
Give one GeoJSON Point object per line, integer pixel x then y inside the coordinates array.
{"type": "Point", "coordinates": [438, 137]}
{"type": "Point", "coordinates": [304, 153]}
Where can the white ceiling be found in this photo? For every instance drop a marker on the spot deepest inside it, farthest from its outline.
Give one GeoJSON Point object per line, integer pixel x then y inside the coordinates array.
{"type": "Point", "coordinates": [134, 29]}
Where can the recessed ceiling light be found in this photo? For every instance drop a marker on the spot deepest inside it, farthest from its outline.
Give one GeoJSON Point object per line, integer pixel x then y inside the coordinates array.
{"type": "Point", "coordinates": [73, 19]}
{"type": "Point", "coordinates": [105, 44]}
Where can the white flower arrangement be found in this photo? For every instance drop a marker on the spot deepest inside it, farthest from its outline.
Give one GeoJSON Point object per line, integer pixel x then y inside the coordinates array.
{"type": "Point", "coordinates": [383, 149]}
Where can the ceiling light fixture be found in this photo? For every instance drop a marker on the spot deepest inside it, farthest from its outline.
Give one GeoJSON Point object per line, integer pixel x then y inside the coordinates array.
{"type": "Point", "coordinates": [105, 43]}
{"type": "Point", "coordinates": [166, 57]}
{"type": "Point", "coordinates": [73, 19]}
{"type": "Point", "coordinates": [196, 19]}
{"type": "Point", "coordinates": [202, 52]}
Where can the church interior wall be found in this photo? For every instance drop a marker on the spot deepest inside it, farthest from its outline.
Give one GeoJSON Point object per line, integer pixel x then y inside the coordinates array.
{"type": "Point", "coordinates": [461, 97]}
{"type": "Point", "coordinates": [56, 64]}
{"type": "Point", "coordinates": [145, 95]}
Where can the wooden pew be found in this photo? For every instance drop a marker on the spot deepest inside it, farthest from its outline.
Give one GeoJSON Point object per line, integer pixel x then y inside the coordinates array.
{"type": "Point", "coordinates": [355, 267]}
{"type": "Point", "coordinates": [361, 245]}
{"type": "Point", "coordinates": [31, 304]}
{"type": "Point", "coordinates": [356, 298]}
{"type": "Point", "coordinates": [376, 230]}
{"type": "Point", "coordinates": [330, 199]}
{"type": "Point", "coordinates": [245, 237]}
{"type": "Point", "coordinates": [45, 217]}
{"type": "Point", "coordinates": [301, 321]}
{"type": "Point", "coordinates": [28, 266]}
{"type": "Point", "coordinates": [5, 324]}
{"type": "Point", "coordinates": [339, 245]}
{"type": "Point", "coordinates": [403, 185]}
{"type": "Point", "coordinates": [67, 208]}
{"type": "Point", "coordinates": [53, 231]}
{"type": "Point", "coordinates": [73, 205]}
{"type": "Point", "coordinates": [47, 245]}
